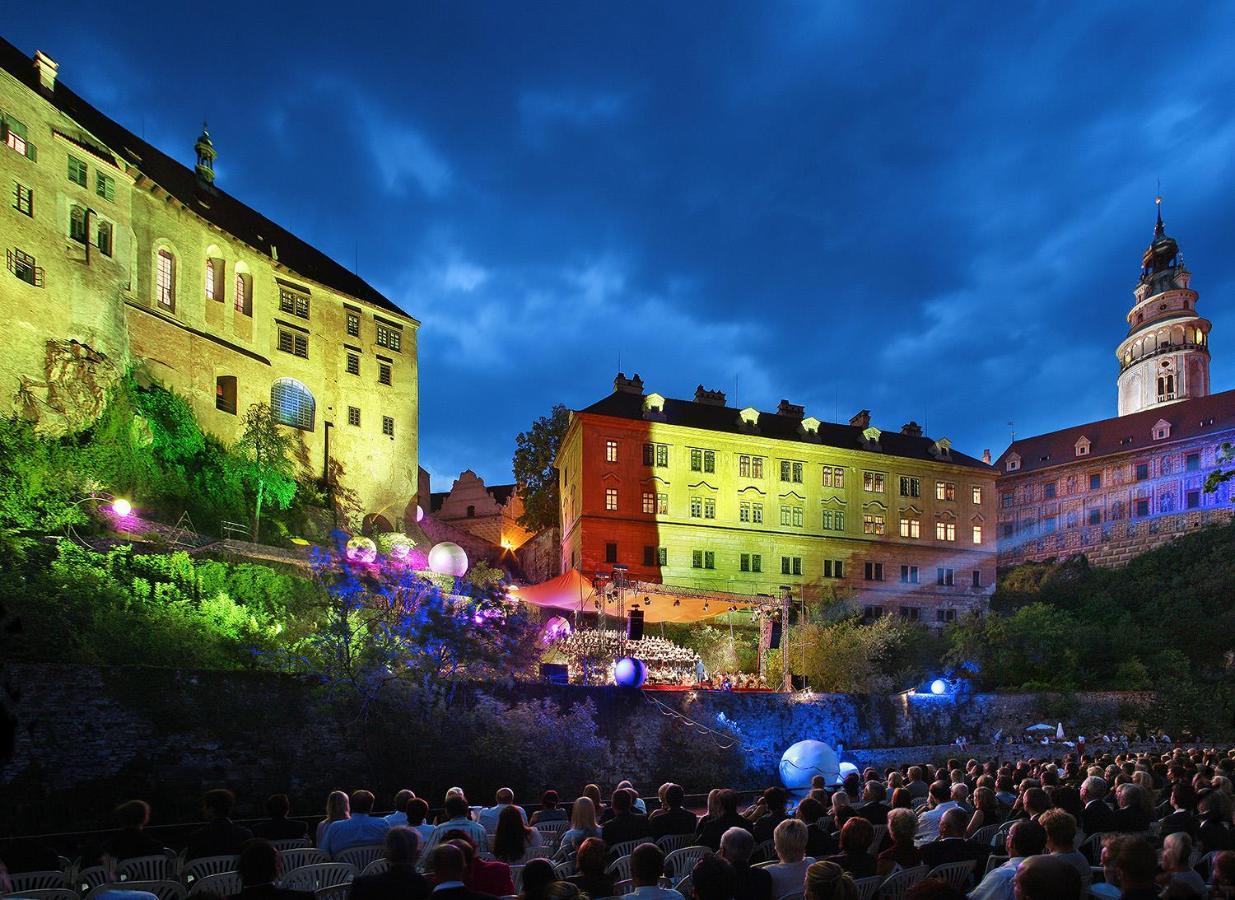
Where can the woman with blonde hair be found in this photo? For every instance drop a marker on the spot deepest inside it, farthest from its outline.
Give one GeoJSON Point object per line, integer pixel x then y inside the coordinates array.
{"type": "Point", "coordinates": [828, 881]}
{"type": "Point", "coordinates": [582, 826]}
{"type": "Point", "coordinates": [338, 807]}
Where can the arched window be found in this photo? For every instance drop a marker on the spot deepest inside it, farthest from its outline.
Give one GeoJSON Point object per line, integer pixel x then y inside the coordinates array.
{"type": "Point", "coordinates": [165, 279]}
{"type": "Point", "coordinates": [292, 404]}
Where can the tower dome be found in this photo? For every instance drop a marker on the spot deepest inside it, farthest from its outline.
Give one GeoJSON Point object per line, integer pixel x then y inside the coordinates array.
{"type": "Point", "coordinates": [1164, 358]}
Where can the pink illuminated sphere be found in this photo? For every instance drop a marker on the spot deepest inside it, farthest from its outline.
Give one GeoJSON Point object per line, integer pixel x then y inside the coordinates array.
{"type": "Point", "coordinates": [448, 558]}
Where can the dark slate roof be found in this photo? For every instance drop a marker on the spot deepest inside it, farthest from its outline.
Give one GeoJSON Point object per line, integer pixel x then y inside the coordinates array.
{"type": "Point", "coordinates": [688, 413]}
{"type": "Point", "coordinates": [501, 492]}
{"type": "Point", "coordinates": [219, 208]}
{"type": "Point", "coordinates": [436, 500]}
{"type": "Point", "coordinates": [1188, 419]}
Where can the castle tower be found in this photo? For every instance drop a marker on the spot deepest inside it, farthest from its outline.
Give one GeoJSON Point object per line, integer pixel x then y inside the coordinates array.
{"type": "Point", "coordinates": [1165, 356]}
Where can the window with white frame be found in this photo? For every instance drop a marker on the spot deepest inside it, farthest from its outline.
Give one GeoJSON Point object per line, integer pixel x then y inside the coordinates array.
{"type": "Point", "coordinates": [611, 499]}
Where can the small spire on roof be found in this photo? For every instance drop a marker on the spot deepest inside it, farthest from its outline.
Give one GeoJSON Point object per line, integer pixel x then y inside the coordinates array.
{"type": "Point", "coordinates": [206, 154]}
{"type": "Point", "coordinates": [1159, 228]}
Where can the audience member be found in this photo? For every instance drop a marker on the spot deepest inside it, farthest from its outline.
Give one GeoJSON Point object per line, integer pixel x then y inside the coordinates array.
{"type": "Point", "coordinates": [1098, 817]}
{"type": "Point", "coordinates": [1137, 866]}
{"type": "Point", "coordinates": [828, 881]}
{"type": "Point", "coordinates": [625, 824]}
{"type": "Point", "coordinates": [278, 827]}
{"type": "Point", "coordinates": [1024, 839]}
{"type": "Point", "coordinates": [729, 817]}
{"type": "Point", "coordinates": [1178, 878]}
{"type": "Point", "coordinates": [131, 840]}
{"type": "Point", "coordinates": [1060, 828]}
{"type": "Point", "coordinates": [485, 876]}
{"type": "Point", "coordinates": [449, 868]}
{"type": "Point", "coordinates": [361, 829]}
{"type": "Point", "coordinates": [788, 873]}
{"type": "Point", "coordinates": [647, 865]}
{"type": "Point", "coordinates": [489, 815]}
{"type": "Point", "coordinates": [672, 817]}
{"type": "Point", "coordinates": [736, 847]}
{"type": "Point", "coordinates": [855, 841]}
{"type": "Point", "coordinates": [512, 838]}
{"type": "Point", "coordinates": [939, 803]}
{"type": "Point", "coordinates": [712, 879]}
{"type": "Point", "coordinates": [819, 842]}
{"type": "Point", "coordinates": [219, 836]}
{"type": "Point", "coordinates": [773, 803]}
{"type": "Point", "coordinates": [590, 862]}
{"type": "Point", "coordinates": [417, 812]}
{"type": "Point", "coordinates": [549, 810]}
{"type": "Point", "coordinates": [582, 825]}
{"type": "Point", "coordinates": [1047, 878]}
{"type": "Point", "coordinates": [399, 816]}
{"type": "Point", "coordinates": [259, 868]}
{"type": "Point", "coordinates": [538, 874]}
{"type": "Point", "coordinates": [902, 851]}
{"type": "Point", "coordinates": [458, 818]}
{"type": "Point", "coordinates": [338, 807]}
{"type": "Point", "coordinates": [400, 881]}
{"type": "Point", "coordinates": [952, 845]}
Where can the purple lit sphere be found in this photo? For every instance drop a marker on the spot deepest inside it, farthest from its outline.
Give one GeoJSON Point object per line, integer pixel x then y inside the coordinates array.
{"type": "Point", "coordinates": [630, 672]}
{"type": "Point", "coordinates": [555, 629]}
{"type": "Point", "coordinates": [448, 558]}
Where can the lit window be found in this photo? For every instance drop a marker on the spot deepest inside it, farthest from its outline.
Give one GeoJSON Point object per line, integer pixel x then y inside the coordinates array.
{"type": "Point", "coordinates": [383, 373]}
{"type": "Point", "coordinates": [611, 451]}
{"type": "Point", "coordinates": [353, 324]}
{"type": "Point", "coordinates": [977, 494]}
{"type": "Point", "coordinates": [292, 404]}
{"type": "Point", "coordinates": [649, 503]}
{"type": "Point", "coordinates": [797, 517]}
{"type": "Point", "coordinates": [77, 171]}
{"type": "Point", "coordinates": [872, 523]}
{"type": "Point", "coordinates": [744, 511]}
{"type": "Point", "coordinates": [214, 279]}
{"type": "Point", "coordinates": [244, 294]}
{"type": "Point", "coordinates": [611, 499]}
{"type": "Point", "coordinates": [353, 415]}
{"type": "Point", "coordinates": [945, 531]}
{"type": "Point", "coordinates": [105, 186]}
{"type": "Point", "coordinates": [977, 534]}
{"type": "Point", "coordinates": [744, 466]}
{"type": "Point", "coordinates": [388, 426]}
{"type": "Point", "coordinates": [165, 280]}
{"type": "Point", "coordinates": [910, 527]}
{"type": "Point", "coordinates": [696, 507]}
{"type": "Point", "coordinates": [756, 467]}
{"type": "Point", "coordinates": [833, 476]}
{"type": "Point", "coordinates": [225, 394]}
{"type": "Point", "coordinates": [709, 508]}
{"type": "Point", "coordinates": [872, 482]}
{"type": "Point", "coordinates": [945, 490]}
{"type": "Point", "coordinates": [293, 303]}
{"type": "Point", "coordinates": [16, 137]}
{"type": "Point", "coordinates": [662, 504]}
{"type": "Point", "coordinates": [353, 364]}
{"type": "Point", "coordinates": [390, 338]}
{"type": "Point", "coordinates": [23, 199]}
{"type": "Point", "coordinates": [77, 224]}
{"type": "Point", "coordinates": [756, 513]}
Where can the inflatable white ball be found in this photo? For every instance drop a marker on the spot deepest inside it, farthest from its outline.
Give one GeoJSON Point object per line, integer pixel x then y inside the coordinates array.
{"type": "Point", "coordinates": [361, 549]}
{"type": "Point", "coordinates": [806, 759]}
{"type": "Point", "coordinates": [420, 514]}
{"type": "Point", "coordinates": [448, 558]}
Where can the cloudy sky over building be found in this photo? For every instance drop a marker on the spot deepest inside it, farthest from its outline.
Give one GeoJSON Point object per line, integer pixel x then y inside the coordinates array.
{"type": "Point", "coordinates": [935, 212]}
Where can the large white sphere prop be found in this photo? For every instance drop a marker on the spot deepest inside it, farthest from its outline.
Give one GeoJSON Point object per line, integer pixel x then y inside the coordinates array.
{"type": "Point", "coordinates": [630, 672]}
{"type": "Point", "coordinates": [420, 514]}
{"type": "Point", "coordinates": [845, 769]}
{"type": "Point", "coordinates": [806, 759]}
{"type": "Point", "coordinates": [361, 549]}
{"type": "Point", "coordinates": [448, 558]}
{"type": "Point", "coordinates": [555, 629]}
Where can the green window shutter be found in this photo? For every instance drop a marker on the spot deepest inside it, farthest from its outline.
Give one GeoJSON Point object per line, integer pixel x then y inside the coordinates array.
{"type": "Point", "coordinates": [31, 153]}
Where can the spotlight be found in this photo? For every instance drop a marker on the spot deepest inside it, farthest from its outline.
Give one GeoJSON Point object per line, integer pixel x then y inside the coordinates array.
{"type": "Point", "coordinates": [677, 602]}
{"type": "Point", "coordinates": [938, 686]}
{"type": "Point", "coordinates": [121, 507]}
{"type": "Point", "coordinates": [705, 606]}
{"type": "Point", "coordinates": [647, 601]}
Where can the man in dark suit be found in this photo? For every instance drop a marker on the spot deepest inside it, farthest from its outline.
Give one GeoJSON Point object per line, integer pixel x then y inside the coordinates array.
{"type": "Point", "coordinates": [673, 818]}
{"type": "Point", "coordinates": [1097, 817]}
{"type": "Point", "coordinates": [736, 847]}
{"type": "Point", "coordinates": [626, 825]}
{"type": "Point", "coordinates": [259, 867]}
{"type": "Point", "coordinates": [131, 840]}
{"type": "Point", "coordinates": [400, 881]}
{"type": "Point", "coordinates": [729, 817]}
{"type": "Point", "coordinates": [952, 846]}
{"type": "Point", "coordinates": [1183, 799]}
{"type": "Point", "coordinates": [774, 801]}
{"type": "Point", "coordinates": [279, 827]}
{"type": "Point", "coordinates": [448, 869]}
{"type": "Point", "coordinates": [874, 810]}
{"type": "Point", "coordinates": [220, 836]}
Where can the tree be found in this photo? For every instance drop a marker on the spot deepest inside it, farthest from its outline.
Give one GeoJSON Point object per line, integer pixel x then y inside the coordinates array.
{"type": "Point", "coordinates": [266, 450]}
{"type": "Point", "coordinates": [1226, 453]}
{"type": "Point", "coordinates": [535, 451]}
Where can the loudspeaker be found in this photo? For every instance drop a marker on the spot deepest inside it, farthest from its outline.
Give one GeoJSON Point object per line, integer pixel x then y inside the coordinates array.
{"type": "Point", "coordinates": [774, 642]}
{"type": "Point", "coordinates": [634, 630]}
{"type": "Point", "coordinates": [554, 673]}
{"type": "Point", "coordinates": [799, 682]}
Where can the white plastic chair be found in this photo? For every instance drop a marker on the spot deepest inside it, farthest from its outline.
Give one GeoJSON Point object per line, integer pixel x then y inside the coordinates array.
{"type": "Point", "coordinates": [897, 885]}
{"type": "Point", "coordinates": [316, 877]}
{"type": "Point", "coordinates": [516, 878]}
{"type": "Point", "coordinates": [359, 857]}
{"type": "Point", "coordinates": [377, 867]}
{"type": "Point", "coordinates": [679, 863]}
{"type": "Point", "coordinates": [207, 865]}
{"type": "Point", "coordinates": [881, 831]}
{"type": "Point", "coordinates": [984, 834]}
{"type": "Point", "coordinates": [48, 879]}
{"type": "Point", "coordinates": [225, 884]}
{"type": "Point", "coordinates": [1091, 848]}
{"type": "Point", "coordinates": [623, 848]}
{"type": "Point", "coordinates": [300, 857]}
{"type": "Point", "coordinates": [867, 887]}
{"type": "Point", "coordinates": [285, 844]}
{"type": "Point", "coordinates": [671, 842]}
{"type": "Point", "coordinates": [90, 877]}
{"type": "Point", "coordinates": [958, 874]}
{"type": "Point", "coordinates": [624, 887]}
{"type": "Point", "coordinates": [564, 869]}
{"type": "Point", "coordinates": [155, 867]}
{"type": "Point", "coordinates": [993, 862]}
{"type": "Point", "coordinates": [619, 868]}
{"type": "Point", "coordinates": [684, 886]}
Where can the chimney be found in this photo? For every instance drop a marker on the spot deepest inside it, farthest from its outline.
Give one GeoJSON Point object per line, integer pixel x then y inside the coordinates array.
{"type": "Point", "coordinates": [861, 420]}
{"type": "Point", "coordinates": [911, 428]}
{"type": "Point", "coordinates": [631, 385]}
{"type": "Point", "coordinates": [792, 410]}
{"type": "Point", "coordinates": [986, 457]}
{"type": "Point", "coordinates": [46, 67]}
{"type": "Point", "coordinates": [709, 398]}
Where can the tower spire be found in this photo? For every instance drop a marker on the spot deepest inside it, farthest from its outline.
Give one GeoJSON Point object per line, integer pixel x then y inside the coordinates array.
{"type": "Point", "coordinates": [1159, 228]}
{"type": "Point", "coordinates": [205, 158]}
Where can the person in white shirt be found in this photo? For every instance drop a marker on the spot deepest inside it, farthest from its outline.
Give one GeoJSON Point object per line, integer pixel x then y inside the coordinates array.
{"type": "Point", "coordinates": [647, 866]}
{"type": "Point", "coordinates": [488, 817]}
{"type": "Point", "coordinates": [457, 819]}
{"type": "Point", "coordinates": [417, 819]}
{"type": "Point", "coordinates": [399, 816]}
{"type": "Point", "coordinates": [788, 875]}
{"type": "Point", "coordinates": [928, 822]}
{"type": "Point", "coordinates": [360, 830]}
{"type": "Point", "coordinates": [1000, 884]}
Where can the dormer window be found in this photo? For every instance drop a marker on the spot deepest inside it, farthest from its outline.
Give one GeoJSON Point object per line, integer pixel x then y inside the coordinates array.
{"type": "Point", "coordinates": [1082, 446]}
{"type": "Point", "coordinates": [653, 406]}
{"type": "Point", "coordinates": [1013, 462]}
{"type": "Point", "coordinates": [748, 419]}
{"type": "Point", "coordinates": [1162, 430]}
{"type": "Point", "coordinates": [810, 425]}
{"type": "Point", "coordinates": [942, 449]}
{"type": "Point", "coordinates": [870, 438]}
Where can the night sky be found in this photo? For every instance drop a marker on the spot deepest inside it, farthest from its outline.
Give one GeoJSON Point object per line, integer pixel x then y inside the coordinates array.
{"type": "Point", "coordinates": [935, 211]}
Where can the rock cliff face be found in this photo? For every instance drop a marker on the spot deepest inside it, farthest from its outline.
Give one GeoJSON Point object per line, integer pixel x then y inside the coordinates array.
{"type": "Point", "coordinates": [73, 391]}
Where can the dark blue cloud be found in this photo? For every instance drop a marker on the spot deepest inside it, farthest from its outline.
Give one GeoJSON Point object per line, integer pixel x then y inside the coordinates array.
{"type": "Point", "coordinates": [933, 211]}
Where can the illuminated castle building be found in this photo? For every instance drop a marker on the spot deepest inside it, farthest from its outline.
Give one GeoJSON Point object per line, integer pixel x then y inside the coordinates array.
{"type": "Point", "coordinates": [118, 256]}
{"type": "Point", "coordinates": [697, 494]}
{"type": "Point", "coordinates": [1115, 488]}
